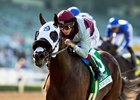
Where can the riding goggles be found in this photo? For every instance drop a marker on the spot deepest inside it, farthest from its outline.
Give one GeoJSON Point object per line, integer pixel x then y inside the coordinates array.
{"type": "Point", "coordinates": [66, 26]}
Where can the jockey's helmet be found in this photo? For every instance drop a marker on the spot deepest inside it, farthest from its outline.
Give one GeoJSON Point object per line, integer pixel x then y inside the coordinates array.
{"type": "Point", "coordinates": [65, 16]}
{"type": "Point", "coordinates": [113, 22]}
{"type": "Point", "coordinates": [74, 10]}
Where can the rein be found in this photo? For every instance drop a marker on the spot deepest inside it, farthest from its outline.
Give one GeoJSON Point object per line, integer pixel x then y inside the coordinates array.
{"type": "Point", "coordinates": [55, 53]}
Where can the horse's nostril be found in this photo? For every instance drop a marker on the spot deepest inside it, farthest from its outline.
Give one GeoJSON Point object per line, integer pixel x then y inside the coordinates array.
{"type": "Point", "coordinates": [35, 56]}
{"type": "Point", "coordinates": [41, 56]}
{"type": "Point", "coordinates": [38, 55]}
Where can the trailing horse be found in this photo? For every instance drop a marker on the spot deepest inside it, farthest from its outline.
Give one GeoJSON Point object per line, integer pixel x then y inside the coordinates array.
{"type": "Point", "coordinates": [124, 60]}
{"type": "Point", "coordinates": [131, 84]}
{"type": "Point", "coordinates": [69, 78]}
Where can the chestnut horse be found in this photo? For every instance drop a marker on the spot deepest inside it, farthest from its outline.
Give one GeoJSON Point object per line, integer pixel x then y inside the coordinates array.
{"type": "Point", "coordinates": [69, 77]}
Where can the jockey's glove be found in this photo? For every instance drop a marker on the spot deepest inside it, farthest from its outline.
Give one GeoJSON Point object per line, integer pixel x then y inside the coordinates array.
{"type": "Point", "coordinates": [69, 43]}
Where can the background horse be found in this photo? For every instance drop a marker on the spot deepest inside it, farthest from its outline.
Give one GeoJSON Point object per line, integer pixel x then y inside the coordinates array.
{"type": "Point", "coordinates": [69, 78]}
{"type": "Point", "coordinates": [131, 84]}
{"type": "Point", "coordinates": [125, 63]}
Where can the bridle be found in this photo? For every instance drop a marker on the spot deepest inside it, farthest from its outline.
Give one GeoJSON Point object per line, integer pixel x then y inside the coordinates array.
{"type": "Point", "coordinates": [52, 53]}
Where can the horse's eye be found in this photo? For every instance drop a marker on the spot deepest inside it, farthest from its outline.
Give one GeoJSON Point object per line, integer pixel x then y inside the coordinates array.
{"type": "Point", "coordinates": [36, 34]}
{"type": "Point", "coordinates": [54, 36]}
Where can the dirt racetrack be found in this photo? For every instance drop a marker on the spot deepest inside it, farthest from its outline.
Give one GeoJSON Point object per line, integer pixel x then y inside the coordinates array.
{"type": "Point", "coordinates": [22, 96]}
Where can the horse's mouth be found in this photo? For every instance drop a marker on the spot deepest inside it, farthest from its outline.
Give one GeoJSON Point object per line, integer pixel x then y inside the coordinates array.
{"type": "Point", "coordinates": [40, 63]}
{"type": "Point", "coordinates": [39, 56]}
{"type": "Point", "coordinates": [39, 59]}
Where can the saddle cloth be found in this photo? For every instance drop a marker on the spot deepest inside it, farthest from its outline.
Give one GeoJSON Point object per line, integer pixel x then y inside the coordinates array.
{"type": "Point", "coordinates": [106, 78]}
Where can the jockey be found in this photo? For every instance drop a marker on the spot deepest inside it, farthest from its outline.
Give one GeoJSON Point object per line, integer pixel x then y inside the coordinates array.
{"type": "Point", "coordinates": [121, 32]}
{"type": "Point", "coordinates": [76, 11]}
{"type": "Point", "coordinates": [79, 30]}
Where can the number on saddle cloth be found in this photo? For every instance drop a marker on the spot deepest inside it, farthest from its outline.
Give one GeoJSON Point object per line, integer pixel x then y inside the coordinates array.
{"type": "Point", "coordinates": [106, 77]}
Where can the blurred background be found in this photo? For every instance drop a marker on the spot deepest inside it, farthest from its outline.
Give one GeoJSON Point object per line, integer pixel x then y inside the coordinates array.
{"type": "Point", "coordinates": [18, 23]}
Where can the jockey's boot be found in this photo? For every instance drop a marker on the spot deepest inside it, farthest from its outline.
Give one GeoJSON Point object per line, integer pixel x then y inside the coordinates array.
{"type": "Point", "coordinates": [133, 58]}
{"type": "Point", "coordinates": [96, 70]}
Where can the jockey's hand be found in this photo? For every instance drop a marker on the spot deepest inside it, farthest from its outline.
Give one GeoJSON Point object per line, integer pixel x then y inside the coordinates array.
{"type": "Point", "coordinates": [70, 43]}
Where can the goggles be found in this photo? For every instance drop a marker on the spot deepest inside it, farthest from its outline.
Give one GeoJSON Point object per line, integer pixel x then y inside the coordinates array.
{"type": "Point", "coordinates": [66, 26]}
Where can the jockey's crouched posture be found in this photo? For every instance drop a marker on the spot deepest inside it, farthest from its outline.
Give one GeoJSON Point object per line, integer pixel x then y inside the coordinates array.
{"type": "Point", "coordinates": [121, 32]}
{"type": "Point", "coordinates": [81, 31]}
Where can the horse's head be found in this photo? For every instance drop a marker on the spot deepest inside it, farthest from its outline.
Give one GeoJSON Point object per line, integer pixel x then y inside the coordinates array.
{"type": "Point", "coordinates": [108, 46]}
{"type": "Point", "coordinates": [46, 41]}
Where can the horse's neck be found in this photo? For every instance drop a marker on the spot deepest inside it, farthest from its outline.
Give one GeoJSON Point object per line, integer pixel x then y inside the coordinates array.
{"type": "Point", "coordinates": [60, 67]}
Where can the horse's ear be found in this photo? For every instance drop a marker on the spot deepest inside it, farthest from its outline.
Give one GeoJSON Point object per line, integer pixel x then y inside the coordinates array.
{"type": "Point", "coordinates": [42, 21]}
{"type": "Point", "coordinates": [55, 20]}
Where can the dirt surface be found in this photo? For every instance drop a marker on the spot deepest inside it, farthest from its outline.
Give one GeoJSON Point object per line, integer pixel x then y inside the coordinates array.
{"type": "Point", "coordinates": [22, 96]}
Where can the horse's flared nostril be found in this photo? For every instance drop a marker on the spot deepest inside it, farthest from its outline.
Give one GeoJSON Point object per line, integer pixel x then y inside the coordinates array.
{"type": "Point", "coordinates": [36, 56]}
{"type": "Point", "coordinates": [41, 56]}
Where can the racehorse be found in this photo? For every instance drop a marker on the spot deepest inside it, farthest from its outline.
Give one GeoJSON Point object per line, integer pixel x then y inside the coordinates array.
{"type": "Point", "coordinates": [69, 78]}
{"type": "Point", "coordinates": [124, 62]}
{"type": "Point", "coordinates": [131, 84]}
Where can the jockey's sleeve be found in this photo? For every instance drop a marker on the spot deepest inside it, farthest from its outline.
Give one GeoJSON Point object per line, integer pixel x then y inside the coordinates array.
{"type": "Point", "coordinates": [127, 36]}
{"type": "Point", "coordinates": [85, 43]}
